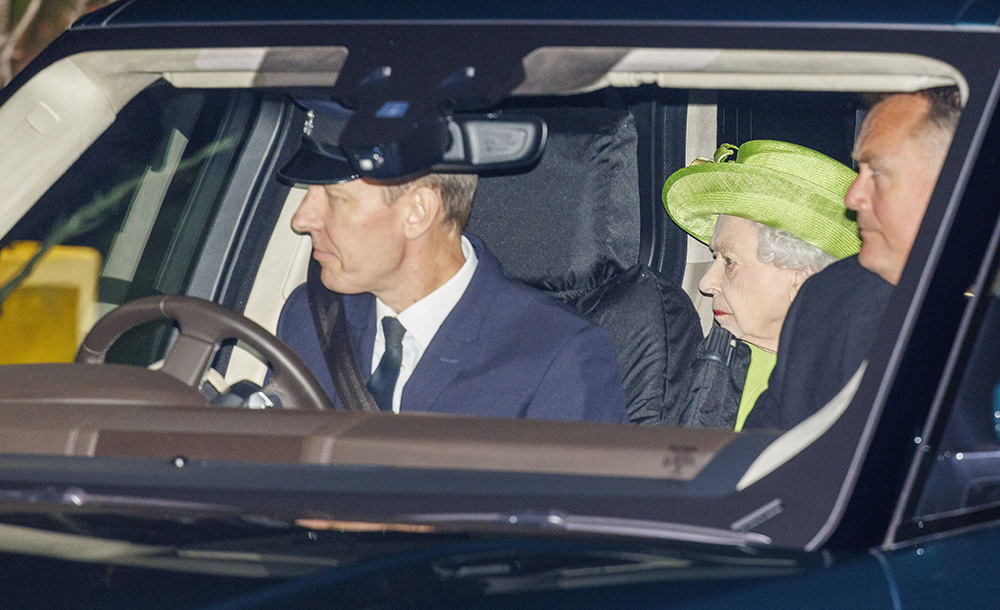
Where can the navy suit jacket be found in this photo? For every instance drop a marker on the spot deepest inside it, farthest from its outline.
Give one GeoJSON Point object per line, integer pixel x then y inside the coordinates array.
{"type": "Point", "coordinates": [826, 336]}
{"type": "Point", "coordinates": [505, 350]}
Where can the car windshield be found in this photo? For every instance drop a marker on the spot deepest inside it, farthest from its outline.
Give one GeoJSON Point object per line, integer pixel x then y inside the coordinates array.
{"type": "Point", "coordinates": [153, 172]}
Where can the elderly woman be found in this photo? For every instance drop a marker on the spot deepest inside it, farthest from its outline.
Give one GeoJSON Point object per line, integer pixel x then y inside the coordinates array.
{"type": "Point", "coordinates": [773, 216]}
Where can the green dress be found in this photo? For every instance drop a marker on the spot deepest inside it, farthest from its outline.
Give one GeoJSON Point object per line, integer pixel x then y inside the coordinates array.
{"type": "Point", "coordinates": [761, 364]}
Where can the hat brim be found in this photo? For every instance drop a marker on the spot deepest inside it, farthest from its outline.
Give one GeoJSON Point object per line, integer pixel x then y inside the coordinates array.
{"type": "Point", "coordinates": [695, 196]}
{"type": "Point", "coordinates": [311, 166]}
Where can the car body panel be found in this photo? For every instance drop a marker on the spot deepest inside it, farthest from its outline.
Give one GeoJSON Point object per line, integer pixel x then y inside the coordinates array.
{"type": "Point", "coordinates": [979, 75]}
{"type": "Point", "coordinates": [851, 532]}
{"type": "Point", "coordinates": [950, 12]}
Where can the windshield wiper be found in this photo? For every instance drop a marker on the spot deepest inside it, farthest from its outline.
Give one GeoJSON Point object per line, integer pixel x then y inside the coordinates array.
{"type": "Point", "coordinates": [599, 525]}
{"type": "Point", "coordinates": [556, 520]}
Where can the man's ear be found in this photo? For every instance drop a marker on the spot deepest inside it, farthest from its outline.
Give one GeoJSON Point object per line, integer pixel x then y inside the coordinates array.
{"type": "Point", "coordinates": [423, 206]}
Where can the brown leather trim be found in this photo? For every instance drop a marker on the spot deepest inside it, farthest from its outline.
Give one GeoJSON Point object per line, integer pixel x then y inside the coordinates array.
{"type": "Point", "coordinates": [119, 411]}
{"type": "Point", "coordinates": [199, 446]}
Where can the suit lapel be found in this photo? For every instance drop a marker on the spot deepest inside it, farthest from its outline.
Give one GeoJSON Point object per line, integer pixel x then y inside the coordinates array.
{"type": "Point", "coordinates": [456, 344]}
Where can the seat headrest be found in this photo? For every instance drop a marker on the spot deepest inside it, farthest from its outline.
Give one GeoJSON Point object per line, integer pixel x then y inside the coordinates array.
{"type": "Point", "coordinates": [557, 226]}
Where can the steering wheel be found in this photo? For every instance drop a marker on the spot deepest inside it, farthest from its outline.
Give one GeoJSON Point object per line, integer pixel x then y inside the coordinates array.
{"type": "Point", "coordinates": [203, 326]}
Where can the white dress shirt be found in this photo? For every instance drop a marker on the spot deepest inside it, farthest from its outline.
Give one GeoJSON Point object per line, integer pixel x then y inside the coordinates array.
{"type": "Point", "coordinates": [422, 320]}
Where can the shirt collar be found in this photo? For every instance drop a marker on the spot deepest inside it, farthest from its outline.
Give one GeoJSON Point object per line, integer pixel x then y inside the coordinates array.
{"type": "Point", "coordinates": [424, 318]}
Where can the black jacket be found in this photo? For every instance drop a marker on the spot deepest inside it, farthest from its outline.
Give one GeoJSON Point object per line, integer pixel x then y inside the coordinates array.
{"type": "Point", "coordinates": [716, 379]}
{"type": "Point", "coordinates": [826, 336]}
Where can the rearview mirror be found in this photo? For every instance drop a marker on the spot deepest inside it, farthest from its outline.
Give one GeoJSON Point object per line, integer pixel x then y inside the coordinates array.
{"type": "Point", "coordinates": [492, 143]}
{"type": "Point", "coordinates": [457, 144]}
{"type": "Point", "coordinates": [392, 146]}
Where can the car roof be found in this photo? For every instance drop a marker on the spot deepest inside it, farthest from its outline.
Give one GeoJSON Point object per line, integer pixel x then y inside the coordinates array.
{"type": "Point", "coordinates": [165, 12]}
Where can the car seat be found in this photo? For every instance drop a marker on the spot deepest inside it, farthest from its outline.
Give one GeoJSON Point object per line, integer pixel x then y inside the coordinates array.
{"type": "Point", "coordinates": [570, 227]}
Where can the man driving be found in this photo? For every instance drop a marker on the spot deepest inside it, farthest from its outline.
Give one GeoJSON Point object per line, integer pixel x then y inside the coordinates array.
{"type": "Point", "coordinates": [435, 324]}
{"type": "Point", "coordinates": [831, 324]}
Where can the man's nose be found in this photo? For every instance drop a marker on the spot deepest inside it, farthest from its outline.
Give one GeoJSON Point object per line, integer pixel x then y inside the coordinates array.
{"type": "Point", "coordinates": [307, 217]}
{"type": "Point", "coordinates": [709, 283]}
{"type": "Point", "coordinates": [857, 194]}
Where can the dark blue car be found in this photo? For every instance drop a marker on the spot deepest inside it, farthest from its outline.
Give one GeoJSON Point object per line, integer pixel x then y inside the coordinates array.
{"type": "Point", "coordinates": [146, 140]}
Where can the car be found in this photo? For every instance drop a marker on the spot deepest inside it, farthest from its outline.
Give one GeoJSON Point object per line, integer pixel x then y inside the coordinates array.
{"type": "Point", "coordinates": [142, 147]}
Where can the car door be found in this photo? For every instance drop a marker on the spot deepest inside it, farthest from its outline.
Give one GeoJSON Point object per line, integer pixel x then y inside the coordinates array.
{"type": "Point", "coordinates": [944, 527]}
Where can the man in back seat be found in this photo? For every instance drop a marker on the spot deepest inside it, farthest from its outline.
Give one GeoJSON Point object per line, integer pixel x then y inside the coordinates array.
{"type": "Point", "coordinates": [837, 313]}
{"type": "Point", "coordinates": [432, 318]}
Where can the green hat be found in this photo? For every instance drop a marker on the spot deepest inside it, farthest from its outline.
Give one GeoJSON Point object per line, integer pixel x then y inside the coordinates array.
{"type": "Point", "coordinates": [778, 184]}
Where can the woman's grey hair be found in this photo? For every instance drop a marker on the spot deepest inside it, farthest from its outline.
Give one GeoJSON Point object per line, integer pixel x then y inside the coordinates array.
{"type": "Point", "coordinates": [785, 251]}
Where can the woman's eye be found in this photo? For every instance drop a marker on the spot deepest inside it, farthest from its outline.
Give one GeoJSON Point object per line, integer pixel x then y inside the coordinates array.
{"type": "Point", "coordinates": [727, 262]}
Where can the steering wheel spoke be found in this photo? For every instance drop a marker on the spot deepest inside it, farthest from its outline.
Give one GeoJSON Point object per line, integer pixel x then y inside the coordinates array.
{"type": "Point", "coordinates": [188, 359]}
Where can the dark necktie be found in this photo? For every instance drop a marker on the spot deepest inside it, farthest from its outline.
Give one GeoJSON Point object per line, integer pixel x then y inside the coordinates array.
{"type": "Point", "coordinates": [383, 381]}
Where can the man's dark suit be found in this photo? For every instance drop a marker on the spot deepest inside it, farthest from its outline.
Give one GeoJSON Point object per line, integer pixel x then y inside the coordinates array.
{"type": "Point", "coordinates": [825, 337]}
{"type": "Point", "coordinates": [505, 350]}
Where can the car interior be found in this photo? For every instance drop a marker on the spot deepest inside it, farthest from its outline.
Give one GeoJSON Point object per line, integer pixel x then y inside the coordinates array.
{"type": "Point", "coordinates": [169, 157]}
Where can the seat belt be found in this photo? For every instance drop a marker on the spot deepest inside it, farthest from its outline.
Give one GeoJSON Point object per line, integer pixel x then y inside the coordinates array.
{"type": "Point", "coordinates": [331, 324]}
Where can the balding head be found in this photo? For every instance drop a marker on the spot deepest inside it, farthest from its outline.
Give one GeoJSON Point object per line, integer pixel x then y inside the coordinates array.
{"type": "Point", "coordinates": [900, 151]}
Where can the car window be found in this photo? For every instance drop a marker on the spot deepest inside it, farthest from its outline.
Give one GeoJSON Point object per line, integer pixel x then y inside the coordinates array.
{"type": "Point", "coordinates": [151, 241]}
{"type": "Point", "coordinates": [954, 476]}
{"type": "Point", "coordinates": [159, 172]}
{"type": "Point", "coordinates": [965, 474]}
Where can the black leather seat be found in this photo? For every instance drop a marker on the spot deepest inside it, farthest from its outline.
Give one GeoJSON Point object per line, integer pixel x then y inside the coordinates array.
{"type": "Point", "coordinates": [570, 227]}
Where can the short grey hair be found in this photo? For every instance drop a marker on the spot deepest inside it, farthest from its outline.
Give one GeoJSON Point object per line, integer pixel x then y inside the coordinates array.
{"type": "Point", "coordinates": [456, 192]}
{"type": "Point", "coordinates": [785, 251]}
{"type": "Point", "coordinates": [943, 111]}
{"type": "Point", "coordinates": [945, 106]}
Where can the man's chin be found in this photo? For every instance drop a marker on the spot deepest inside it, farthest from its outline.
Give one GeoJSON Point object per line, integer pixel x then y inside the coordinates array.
{"type": "Point", "coordinates": [335, 283]}
{"type": "Point", "coordinates": [877, 263]}
{"type": "Point", "coordinates": [870, 256]}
